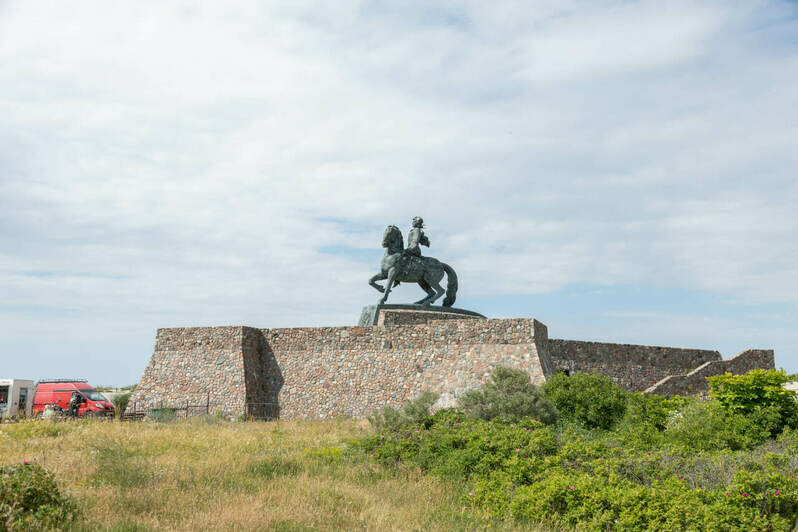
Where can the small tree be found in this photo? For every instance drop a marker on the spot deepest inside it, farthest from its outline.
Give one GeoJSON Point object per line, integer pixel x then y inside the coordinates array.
{"type": "Point", "coordinates": [589, 399]}
{"type": "Point", "coordinates": [120, 403]}
{"type": "Point", "coordinates": [759, 395]}
{"type": "Point", "coordinates": [508, 394]}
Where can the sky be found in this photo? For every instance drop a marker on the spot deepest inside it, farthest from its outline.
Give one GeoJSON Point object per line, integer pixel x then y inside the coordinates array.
{"type": "Point", "coordinates": [621, 171]}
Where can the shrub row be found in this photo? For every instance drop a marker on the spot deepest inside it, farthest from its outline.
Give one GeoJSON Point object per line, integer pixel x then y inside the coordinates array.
{"type": "Point", "coordinates": [581, 452]}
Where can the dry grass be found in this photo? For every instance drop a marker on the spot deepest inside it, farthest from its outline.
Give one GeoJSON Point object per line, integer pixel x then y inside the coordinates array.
{"type": "Point", "coordinates": [209, 474]}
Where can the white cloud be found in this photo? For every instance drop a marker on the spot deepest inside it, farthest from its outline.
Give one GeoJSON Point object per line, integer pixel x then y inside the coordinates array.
{"type": "Point", "coordinates": [190, 164]}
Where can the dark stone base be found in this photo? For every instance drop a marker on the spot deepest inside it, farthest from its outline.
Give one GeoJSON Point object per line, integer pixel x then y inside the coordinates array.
{"type": "Point", "coordinates": [412, 314]}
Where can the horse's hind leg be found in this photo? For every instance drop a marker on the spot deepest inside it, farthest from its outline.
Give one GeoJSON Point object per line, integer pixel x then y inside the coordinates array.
{"type": "Point", "coordinates": [439, 292]}
{"type": "Point", "coordinates": [428, 289]}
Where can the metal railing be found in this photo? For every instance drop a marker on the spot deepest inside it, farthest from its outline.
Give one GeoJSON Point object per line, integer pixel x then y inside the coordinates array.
{"type": "Point", "coordinates": [253, 411]}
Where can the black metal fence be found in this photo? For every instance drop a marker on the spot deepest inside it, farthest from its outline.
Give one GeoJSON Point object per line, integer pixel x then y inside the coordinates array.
{"type": "Point", "coordinates": [253, 411]}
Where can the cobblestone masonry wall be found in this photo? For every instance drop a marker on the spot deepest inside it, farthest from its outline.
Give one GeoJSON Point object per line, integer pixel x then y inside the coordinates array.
{"type": "Point", "coordinates": [696, 381]}
{"type": "Point", "coordinates": [353, 370]}
{"type": "Point", "coordinates": [635, 367]}
{"type": "Point", "coordinates": [326, 371]}
{"type": "Point", "coordinates": [197, 366]}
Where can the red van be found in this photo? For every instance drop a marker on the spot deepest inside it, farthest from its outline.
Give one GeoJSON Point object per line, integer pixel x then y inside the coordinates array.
{"type": "Point", "coordinates": [59, 391]}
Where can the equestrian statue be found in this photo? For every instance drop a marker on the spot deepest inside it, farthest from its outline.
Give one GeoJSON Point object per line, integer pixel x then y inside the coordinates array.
{"type": "Point", "coordinates": [408, 266]}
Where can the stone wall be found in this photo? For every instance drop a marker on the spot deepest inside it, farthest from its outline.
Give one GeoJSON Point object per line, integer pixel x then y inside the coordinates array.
{"type": "Point", "coordinates": [202, 366]}
{"type": "Point", "coordinates": [350, 371]}
{"type": "Point", "coordinates": [327, 371]}
{"type": "Point", "coordinates": [634, 367]}
{"type": "Point", "coordinates": [695, 382]}
{"type": "Point", "coordinates": [321, 372]}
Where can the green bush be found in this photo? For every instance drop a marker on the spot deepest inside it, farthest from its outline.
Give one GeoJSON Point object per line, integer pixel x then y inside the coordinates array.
{"type": "Point", "coordinates": [414, 412]}
{"type": "Point", "coordinates": [760, 395]}
{"type": "Point", "coordinates": [590, 399]}
{"type": "Point", "coordinates": [612, 503]}
{"type": "Point", "coordinates": [30, 499]}
{"type": "Point", "coordinates": [706, 426]}
{"type": "Point", "coordinates": [120, 403]}
{"type": "Point", "coordinates": [508, 394]}
{"type": "Point", "coordinates": [651, 409]}
{"type": "Point", "coordinates": [583, 478]}
{"type": "Point", "coordinates": [467, 447]}
{"type": "Point", "coordinates": [615, 461]}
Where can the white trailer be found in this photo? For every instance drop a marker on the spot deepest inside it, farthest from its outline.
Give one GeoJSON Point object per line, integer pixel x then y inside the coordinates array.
{"type": "Point", "coordinates": [16, 398]}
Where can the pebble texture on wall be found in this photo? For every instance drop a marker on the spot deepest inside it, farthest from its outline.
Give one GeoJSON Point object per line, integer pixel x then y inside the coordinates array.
{"type": "Point", "coordinates": [323, 372]}
{"type": "Point", "coordinates": [695, 382]}
{"type": "Point", "coordinates": [634, 367]}
{"type": "Point", "coordinates": [196, 366]}
{"type": "Point", "coordinates": [353, 370]}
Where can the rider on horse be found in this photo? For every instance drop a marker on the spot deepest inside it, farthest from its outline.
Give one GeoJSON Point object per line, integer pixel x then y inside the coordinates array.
{"type": "Point", "coordinates": [416, 237]}
{"type": "Point", "coordinates": [400, 264]}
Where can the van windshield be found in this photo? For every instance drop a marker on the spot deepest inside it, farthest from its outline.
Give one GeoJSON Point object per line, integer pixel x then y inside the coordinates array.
{"type": "Point", "coordinates": [93, 395]}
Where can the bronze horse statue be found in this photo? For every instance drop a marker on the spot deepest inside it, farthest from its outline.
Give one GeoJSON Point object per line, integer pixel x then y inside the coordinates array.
{"type": "Point", "coordinates": [399, 266]}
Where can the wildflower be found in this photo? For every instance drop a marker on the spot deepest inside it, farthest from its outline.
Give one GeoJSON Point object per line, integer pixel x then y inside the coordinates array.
{"type": "Point", "coordinates": [777, 492]}
{"type": "Point", "coordinates": [745, 495]}
{"type": "Point", "coordinates": [570, 487]}
{"type": "Point", "coordinates": [601, 459]}
{"type": "Point", "coordinates": [727, 493]}
{"type": "Point", "coordinates": [470, 493]}
{"type": "Point", "coordinates": [26, 461]}
{"type": "Point", "coordinates": [518, 450]}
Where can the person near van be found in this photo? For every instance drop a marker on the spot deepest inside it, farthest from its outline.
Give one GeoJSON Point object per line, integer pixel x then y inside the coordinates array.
{"type": "Point", "coordinates": [74, 403]}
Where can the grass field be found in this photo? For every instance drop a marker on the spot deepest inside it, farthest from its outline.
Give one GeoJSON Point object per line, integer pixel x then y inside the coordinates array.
{"type": "Point", "coordinates": [210, 474]}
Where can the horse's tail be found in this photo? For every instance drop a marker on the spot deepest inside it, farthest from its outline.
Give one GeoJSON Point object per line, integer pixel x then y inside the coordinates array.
{"type": "Point", "coordinates": [451, 285]}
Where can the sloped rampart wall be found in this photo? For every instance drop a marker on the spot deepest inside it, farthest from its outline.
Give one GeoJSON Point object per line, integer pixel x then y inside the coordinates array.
{"type": "Point", "coordinates": [634, 367]}
{"type": "Point", "coordinates": [695, 382]}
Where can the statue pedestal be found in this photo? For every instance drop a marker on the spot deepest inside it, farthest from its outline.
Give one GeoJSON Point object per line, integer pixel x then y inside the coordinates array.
{"type": "Point", "coordinates": [382, 315]}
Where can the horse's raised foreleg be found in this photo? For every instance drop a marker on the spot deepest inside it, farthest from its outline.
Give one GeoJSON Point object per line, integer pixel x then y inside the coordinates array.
{"type": "Point", "coordinates": [379, 277]}
{"type": "Point", "coordinates": [388, 285]}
